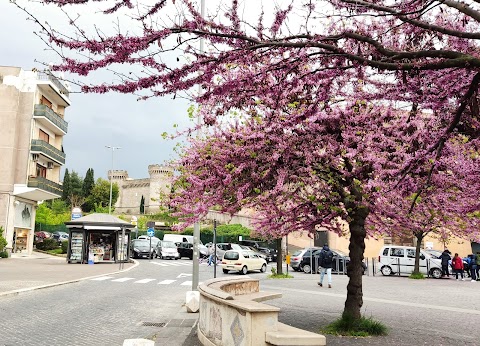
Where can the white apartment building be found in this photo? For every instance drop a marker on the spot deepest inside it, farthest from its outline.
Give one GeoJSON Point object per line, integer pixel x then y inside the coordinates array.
{"type": "Point", "coordinates": [32, 112]}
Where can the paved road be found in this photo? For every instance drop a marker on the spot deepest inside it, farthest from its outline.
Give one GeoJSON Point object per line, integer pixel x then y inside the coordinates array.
{"type": "Point", "coordinates": [417, 312]}
{"type": "Point", "coordinates": [112, 308]}
{"type": "Point", "coordinates": [104, 310]}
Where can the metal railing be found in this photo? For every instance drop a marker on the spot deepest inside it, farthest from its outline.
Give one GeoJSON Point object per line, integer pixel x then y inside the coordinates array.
{"type": "Point", "coordinates": [45, 184]}
{"type": "Point", "coordinates": [50, 77]}
{"type": "Point", "coordinates": [47, 112]}
{"type": "Point", "coordinates": [398, 269]}
{"type": "Point", "coordinates": [339, 265]}
{"type": "Point", "coordinates": [47, 149]}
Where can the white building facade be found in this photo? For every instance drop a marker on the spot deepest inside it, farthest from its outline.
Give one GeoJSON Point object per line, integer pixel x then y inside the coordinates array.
{"type": "Point", "coordinates": [32, 114]}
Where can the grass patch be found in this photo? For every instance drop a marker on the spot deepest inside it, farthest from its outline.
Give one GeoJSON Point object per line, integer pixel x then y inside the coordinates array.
{"type": "Point", "coordinates": [280, 276]}
{"type": "Point", "coordinates": [349, 326]}
{"type": "Point", "coordinates": [55, 251]}
{"type": "Point", "coordinates": [417, 276]}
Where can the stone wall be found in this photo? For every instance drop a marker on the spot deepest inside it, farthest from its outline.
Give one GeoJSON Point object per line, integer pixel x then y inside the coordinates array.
{"type": "Point", "coordinates": [132, 190]}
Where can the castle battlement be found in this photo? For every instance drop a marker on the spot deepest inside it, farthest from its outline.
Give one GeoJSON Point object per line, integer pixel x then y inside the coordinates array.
{"type": "Point", "coordinates": [131, 190]}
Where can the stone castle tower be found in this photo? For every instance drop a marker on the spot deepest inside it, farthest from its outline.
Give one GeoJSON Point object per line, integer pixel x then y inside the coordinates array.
{"type": "Point", "coordinates": [132, 190]}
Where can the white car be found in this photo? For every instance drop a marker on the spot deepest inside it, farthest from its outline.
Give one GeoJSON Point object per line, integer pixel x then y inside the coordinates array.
{"type": "Point", "coordinates": [242, 261]}
{"type": "Point", "coordinates": [396, 259]}
{"type": "Point", "coordinates": [167, 249]}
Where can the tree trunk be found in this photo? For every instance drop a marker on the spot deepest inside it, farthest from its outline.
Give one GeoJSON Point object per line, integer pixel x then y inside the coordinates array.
{"type": "Point", "coordinates": [279, 256]}
{"type": "Point", "coordinates": [416, 267]}
{"type": "Point", "coordinates": [354, 301]}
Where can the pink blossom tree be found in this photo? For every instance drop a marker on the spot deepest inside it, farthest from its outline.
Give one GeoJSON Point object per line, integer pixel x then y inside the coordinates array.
{"type": "Point", "coordinates": [320, 84]}
{"type": "Point", "coordinates": [332, 167]}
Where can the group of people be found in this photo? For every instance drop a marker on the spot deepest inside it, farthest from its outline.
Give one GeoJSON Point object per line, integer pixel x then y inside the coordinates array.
{"type": "Point", "coordinates": [458, 266]}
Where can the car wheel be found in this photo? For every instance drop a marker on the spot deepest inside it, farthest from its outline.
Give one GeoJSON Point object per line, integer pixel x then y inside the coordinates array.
{"type": "Point", "coordinates": [306, 268]}
{"type": "Point", "coordinates": [264, 268]}
{"type": "Point", "coordinates": [436, 273]}
{"type": "Point", "coordinates": [244, 270]}
{"type": "Point", "coordinates": [225, 271]}
{"type": "Point", "coordinates": [386, 270]}
{"type": "Point", "coordinates": [191, 257]}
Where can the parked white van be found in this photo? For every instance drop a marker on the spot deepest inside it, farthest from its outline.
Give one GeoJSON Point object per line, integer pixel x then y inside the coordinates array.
{"type": "Point", "coordinates": [180, 238]}
{"type": "Point", "coordinates": [395, 259]}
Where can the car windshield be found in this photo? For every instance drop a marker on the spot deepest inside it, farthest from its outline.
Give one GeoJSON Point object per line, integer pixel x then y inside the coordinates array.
{"type": "Point", "coordinates": [231, 255]}
{"type": "Point", "coordinates": [141, 243]}
{"type": "Point", "coordinates": [343, 254]}
{"type": "Point", "coordinates": [435, 253]}
{"type": "Point", "coordinates": [168, 244]}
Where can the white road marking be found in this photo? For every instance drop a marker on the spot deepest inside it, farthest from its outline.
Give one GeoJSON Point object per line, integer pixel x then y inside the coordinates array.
{"type": "Point", "coordinates": [143, 281]}
{"type": "Point", "coordinates": [186, 283]}
{"type": "Point", "coordinates": [183, 275]}
{"type": "Point", "coordinates": [102, 278]}
{"type": "Point", "coordinates": [166, 282]}
{"type": "Point", "coordinates": [122, 279]}
{"type": "Point", "coordinates": [159, 264]}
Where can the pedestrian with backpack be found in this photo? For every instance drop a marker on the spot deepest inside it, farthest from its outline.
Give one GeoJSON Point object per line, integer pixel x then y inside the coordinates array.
{"type": "Point", "coordinates": [326, 261]}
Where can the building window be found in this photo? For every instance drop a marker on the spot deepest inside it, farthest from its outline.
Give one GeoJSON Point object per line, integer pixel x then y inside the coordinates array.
{"type": "Point", "coordinates": [43, 136]}
{"type": "Point", "coordinates": [41, 171]}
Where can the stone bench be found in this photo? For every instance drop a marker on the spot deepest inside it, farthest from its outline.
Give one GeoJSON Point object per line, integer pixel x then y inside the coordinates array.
{"type": "Point", "coordinates": [232, 313]}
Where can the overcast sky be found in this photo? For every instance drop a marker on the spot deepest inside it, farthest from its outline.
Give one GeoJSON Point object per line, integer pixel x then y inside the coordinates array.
{"type": "Point", "coordinates": [97, 120]}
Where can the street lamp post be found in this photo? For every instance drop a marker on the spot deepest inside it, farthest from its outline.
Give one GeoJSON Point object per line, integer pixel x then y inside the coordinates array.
{"type": "Point", "coordinates": [111, 178]}
{"type": "Point", "coordinates": [196, 225]}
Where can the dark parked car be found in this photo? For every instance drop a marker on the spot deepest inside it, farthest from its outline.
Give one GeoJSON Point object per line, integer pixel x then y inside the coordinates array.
{"type": "Point", "coordinates": [262, 246]}
{"type": "Point", "coordinates": [60, 236]}
{"type": "Point", "coordinates": [185, 249]}
{"type": "Point", "coordinates": [140, 248]}
{"type": "Point", "coordinates": [340, 262]}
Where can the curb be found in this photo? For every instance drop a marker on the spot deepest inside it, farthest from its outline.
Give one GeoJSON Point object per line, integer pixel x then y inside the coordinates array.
{"type": "Point", "coordinates": [28, 289]}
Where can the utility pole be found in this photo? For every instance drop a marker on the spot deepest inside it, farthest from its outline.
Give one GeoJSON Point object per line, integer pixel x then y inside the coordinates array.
{"type": "Point", "coordinates": [111, 178]}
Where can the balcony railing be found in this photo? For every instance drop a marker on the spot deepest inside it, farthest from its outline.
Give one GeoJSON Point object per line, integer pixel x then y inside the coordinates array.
{"type": "Point", "coordinates": [47, 112]}
{"type": "Point", "coordinates": [45, 184]}
{"type": "Point", "coordinates": [47, 149]}
{"type": "Point", "coordinates": [50, 77]}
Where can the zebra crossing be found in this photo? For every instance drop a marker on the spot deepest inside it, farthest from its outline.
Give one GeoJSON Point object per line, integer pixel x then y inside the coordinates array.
{"type": "Point", "coordinates": [147, 280]}
{"type": "Point", "coordinates": [172, 263]}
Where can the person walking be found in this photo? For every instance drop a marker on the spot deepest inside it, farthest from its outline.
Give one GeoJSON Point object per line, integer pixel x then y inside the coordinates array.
{"type": "Point", "coordinates": [326, 260]}
{"type": "Point", "coordinates": [445, 258]}
{"type": "Point", "coordinates": [472, 264]}
{"type": "Point", "coordinates": [457, 264]}
{"type": "Point", "coordinates": [211, 254]}
{"type": "Point", "coordinates": [477, 261]}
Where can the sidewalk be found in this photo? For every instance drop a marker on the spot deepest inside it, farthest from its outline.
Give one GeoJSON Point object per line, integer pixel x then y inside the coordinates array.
{"type": "Point", "coordinates": [23, 273]}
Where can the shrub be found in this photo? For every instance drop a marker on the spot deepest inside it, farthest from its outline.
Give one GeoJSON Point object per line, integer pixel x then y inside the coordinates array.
{"type": "Point", "coordinates": [417, 276]}
{"type": "Point", "coordinates": [47, 244]}
{"type": "Point", "coordinates": [3, 241]}
{"type": "Point", "coordinates": [64, 246]}
{"type": "Point", "coordinates": [349, 326]}
{"type": "Point", "coordinates": [3, 254]}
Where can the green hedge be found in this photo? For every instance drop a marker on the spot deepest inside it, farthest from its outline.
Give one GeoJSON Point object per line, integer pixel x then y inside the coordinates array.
{"type": "Point", "coordinates": [47, 244]}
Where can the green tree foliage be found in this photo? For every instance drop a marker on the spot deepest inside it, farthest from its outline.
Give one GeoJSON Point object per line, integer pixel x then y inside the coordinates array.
{"type": "Point", "coordinates": [67, 187]}
{"type": "Point", "coordinates": [77, 184]}
{"type": "Point", "coordinates": [142, 205]}
{"type": "Point", "coordinates": [88, 185]}
{"type": "Point", "coordinates": [54, 214]}
{"type": "Point", "coordinates": [100, 194]}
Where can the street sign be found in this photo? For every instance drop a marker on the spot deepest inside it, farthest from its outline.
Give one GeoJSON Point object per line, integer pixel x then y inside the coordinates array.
{"type": "Point", "coordinates": [150, 232]}
{"type": "Point", "coordinates": [76, 213]}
